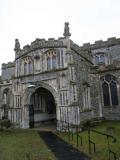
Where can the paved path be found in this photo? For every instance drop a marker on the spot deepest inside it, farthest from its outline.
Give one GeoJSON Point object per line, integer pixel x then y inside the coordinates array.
{"type": "Point", "coordinates": [61, 149]}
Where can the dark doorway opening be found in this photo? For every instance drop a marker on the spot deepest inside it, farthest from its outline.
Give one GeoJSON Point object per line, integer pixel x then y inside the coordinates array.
{"type": "Point", "coordinates": [42, 108]}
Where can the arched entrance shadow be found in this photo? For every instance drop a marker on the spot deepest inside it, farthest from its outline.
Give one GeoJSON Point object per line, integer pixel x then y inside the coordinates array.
{"type": "Point", "coordinates": [41, 101]}
{"type": "Point", "coordinates": [42, 107]}
{"type": "Point", "coordinates": [31, 116]}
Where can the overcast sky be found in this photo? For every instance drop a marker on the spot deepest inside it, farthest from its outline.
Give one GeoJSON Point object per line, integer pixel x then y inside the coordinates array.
{"type": "Point", "coordinates": [90, 20]}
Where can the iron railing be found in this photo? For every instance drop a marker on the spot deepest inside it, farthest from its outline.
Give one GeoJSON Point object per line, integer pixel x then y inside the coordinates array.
{"type": "Point", "coordinates": [69, 129]}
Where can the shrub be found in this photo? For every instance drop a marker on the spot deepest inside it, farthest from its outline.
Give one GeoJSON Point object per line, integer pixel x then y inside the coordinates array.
{"type": "Point", "coordinates": [5, 123]}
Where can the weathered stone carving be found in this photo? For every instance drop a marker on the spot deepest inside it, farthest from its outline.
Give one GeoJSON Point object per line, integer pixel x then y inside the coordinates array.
{"type": "Point", "coordinates": [17, 45]}
{"type": "Point", "coordinates": [66, 30]}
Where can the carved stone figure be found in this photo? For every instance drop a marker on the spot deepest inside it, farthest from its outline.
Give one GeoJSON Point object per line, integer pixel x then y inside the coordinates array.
{"type": "Point", "coordinates": [66, 30]}
{"type": "Point", "coordinates": [17, 45]}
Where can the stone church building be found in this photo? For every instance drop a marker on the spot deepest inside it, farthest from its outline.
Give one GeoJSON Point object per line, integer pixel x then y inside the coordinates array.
{"type": "Point", "coordinates": [60, 80]}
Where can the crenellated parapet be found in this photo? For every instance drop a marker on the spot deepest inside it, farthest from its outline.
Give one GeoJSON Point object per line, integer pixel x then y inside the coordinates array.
{"type": "Point", "coordinates": [8, 65]}
{"type": "Point", "coordinates": [102, 44]}
{"type": "Point", "coordinates": [84, 51]}
{"type": "Point", "coordinates": [41, 44]}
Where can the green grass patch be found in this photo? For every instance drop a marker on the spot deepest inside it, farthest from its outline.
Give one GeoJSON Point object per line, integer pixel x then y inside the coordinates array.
{"type": "Point", "coordinates": [23, 145]}
{"type": "Point", "coordinates": [112, 128]}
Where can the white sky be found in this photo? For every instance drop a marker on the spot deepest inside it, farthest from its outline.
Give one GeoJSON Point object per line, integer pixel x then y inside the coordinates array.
{"type": "Point", "coordinates": [90, 20]}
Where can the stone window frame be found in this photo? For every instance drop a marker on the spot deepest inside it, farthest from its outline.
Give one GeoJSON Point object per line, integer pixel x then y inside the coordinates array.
{"type": "Point", "coordinates": [25, 68]}
{"type": "Point", "coordinates": [99, 55]}
{"type": "Point", "coordinates": [26, 61]}
{"type": "Point", "coordinates": [117, 89]}
{"type": "Point", "coordinates": [30, 67]}
{"type": "Point", "coordinates": [51, 54]}
{"type": "Point", "coordinates": [48, 63]}
{"type": "Point", "coordinates": [54, 61]}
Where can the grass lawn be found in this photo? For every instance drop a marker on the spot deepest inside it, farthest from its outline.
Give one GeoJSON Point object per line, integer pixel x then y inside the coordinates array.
{"type": "Point", "coordinates": [23, 145]}
{"type": "Point", "coordinates": [110, 127]}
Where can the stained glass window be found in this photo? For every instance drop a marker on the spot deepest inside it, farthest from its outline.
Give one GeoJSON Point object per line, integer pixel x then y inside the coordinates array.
{"type": "Point", "coordinates": [114, 97]}
{"type": "Point", "coordinates": [106, 95]}
{"type": "Point", "coordinates": [109, 88]}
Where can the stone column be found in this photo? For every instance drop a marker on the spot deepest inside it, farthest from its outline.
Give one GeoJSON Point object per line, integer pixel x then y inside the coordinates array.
{"type": "Point", "coordinates": [25, 117]}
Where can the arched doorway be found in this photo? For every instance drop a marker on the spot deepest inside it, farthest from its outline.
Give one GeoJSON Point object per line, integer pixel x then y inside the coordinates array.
{"type": "Point", "coordinates": [42, 108]}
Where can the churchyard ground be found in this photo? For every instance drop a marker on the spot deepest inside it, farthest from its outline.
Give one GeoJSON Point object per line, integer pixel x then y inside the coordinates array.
{"type": "Point", "coordinates": [110, 127]}
{"type": "Point", "coordinates": [18, 144]}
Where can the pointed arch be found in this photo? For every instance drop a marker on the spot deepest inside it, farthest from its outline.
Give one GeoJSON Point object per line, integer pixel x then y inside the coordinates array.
{"type": "Point", "coordinates": [32, 88]}
{"type": "Point", "coordinates": [109, 88]}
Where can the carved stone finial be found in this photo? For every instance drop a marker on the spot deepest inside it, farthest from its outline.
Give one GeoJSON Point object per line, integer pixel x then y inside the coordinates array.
{"type": "Point", "coordinates": [66, 30]}
{"type": "Point", "coordinates": [17, 46]}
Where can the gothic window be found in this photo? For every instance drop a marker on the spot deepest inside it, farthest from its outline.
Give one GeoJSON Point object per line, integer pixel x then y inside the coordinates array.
{"type": "Point", "coordinates": [54, 62]}
{"type": "Point", "coordinates": [30, 67]}
{"type": "Point", "coordinates": [60, 58]}
{"type": "Point", "coordinates": [48, 63]}
{"type": "Point", "coordinates": [109, 87]}
{"type": "Point", "coordinates": [100, 59]}
{"type": "Point", "coordinates": [27, 65]}
{"type": "Point", "coordinates": [25, 68]}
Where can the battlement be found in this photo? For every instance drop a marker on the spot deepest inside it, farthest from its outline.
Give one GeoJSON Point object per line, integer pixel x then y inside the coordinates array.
{"type": "Point", "coordinates": [101, 44]}
{"type": "Point", "coordinates": [42, 43]}
{"type": "Point", "coordinates": [8, 65]}
{"type": "Point", "coordinates": [83, 51]}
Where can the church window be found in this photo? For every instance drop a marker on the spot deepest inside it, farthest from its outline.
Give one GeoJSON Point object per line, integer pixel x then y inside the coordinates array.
{"type": "Point", "coordinates": [60, 57]}
{"type": "Point", "coordinates": [25, 68]}
{"type": "Point", "coordinates": [109, 87]}
{"type": "Point", "coordinates": [30, 67]}
{"type": "Point", "coordinates": [100, 59]}
{"type": "Point", "coordinates": [54, 62]}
